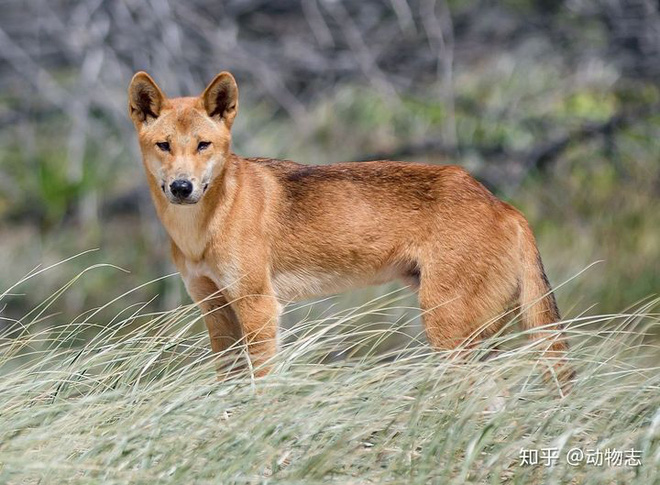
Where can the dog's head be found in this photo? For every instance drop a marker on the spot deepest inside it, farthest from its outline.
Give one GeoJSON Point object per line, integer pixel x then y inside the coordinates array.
{"type": "Point", "coordinates": [184, 141]}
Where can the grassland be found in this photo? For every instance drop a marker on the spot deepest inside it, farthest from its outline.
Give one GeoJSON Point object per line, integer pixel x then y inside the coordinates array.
{"type": "Point", "coordinates": [122, 395]}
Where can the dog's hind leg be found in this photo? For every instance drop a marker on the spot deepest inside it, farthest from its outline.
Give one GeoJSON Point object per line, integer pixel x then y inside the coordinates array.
{"type": "Point", "coordinates": [460, 310]}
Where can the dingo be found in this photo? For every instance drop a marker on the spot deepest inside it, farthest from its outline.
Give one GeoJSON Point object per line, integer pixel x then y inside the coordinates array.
{"type": "Point", "coordinates": [249, 233]}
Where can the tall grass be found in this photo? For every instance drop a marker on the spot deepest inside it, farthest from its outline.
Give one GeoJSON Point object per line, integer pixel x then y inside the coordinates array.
{"type": "Point", "coordinates": [122, 395]}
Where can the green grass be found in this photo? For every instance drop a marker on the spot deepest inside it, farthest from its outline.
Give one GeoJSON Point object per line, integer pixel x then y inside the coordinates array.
{"type": "Point", "coordinates": [121, 395]}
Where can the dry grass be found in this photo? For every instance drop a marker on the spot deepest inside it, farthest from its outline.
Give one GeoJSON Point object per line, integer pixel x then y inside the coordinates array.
{"type": "Point", "coordinates": [133, 398]}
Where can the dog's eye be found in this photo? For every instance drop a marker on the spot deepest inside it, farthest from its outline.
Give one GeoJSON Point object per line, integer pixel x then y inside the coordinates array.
{"type": "Point", "coordinates": [163, 145]}
{"type": "Point", "coordinates": [203, 145]}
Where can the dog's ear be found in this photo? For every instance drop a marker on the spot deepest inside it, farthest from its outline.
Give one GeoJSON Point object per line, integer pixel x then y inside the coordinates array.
{"type": "Point", "coordinates": [220, 98]}
{"type": "Point", "coordinates": [145, 99]}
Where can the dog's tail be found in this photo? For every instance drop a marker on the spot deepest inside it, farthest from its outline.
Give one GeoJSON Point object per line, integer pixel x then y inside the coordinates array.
{"type": "Point", "coordinates": [540, 313]}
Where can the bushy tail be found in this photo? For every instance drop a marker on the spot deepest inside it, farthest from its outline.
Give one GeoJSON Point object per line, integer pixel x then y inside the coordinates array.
{"type": "Point", "coordinates": [538, 304]}
{"type": "Point", "coordinates": [536, 298]}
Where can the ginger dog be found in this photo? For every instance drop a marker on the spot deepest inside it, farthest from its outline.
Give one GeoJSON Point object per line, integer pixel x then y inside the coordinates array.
{"type": "Point", "coordinates": [249, 233]}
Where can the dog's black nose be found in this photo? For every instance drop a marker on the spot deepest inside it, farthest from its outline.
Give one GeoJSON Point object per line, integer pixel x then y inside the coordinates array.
{"type": "Point", "coordinates": [181, 188]}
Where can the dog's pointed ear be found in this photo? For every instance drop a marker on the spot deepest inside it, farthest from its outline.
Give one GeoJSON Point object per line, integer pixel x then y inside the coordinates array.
{"type": "Point", "coordinates": [220, 98]}
{"type": "Point", "coordinates": [145, 99]}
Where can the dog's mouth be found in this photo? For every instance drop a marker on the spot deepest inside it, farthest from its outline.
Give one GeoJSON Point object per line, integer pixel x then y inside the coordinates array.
{"type": "Point", "coordinates": [178, 201]}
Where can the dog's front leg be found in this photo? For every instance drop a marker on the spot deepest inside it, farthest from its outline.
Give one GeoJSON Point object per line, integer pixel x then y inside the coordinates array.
{"type": "Point", "coordinates": [258, 314]}
{"type": "Point", "coordinates": [221, 322]}
{"type": "Point", "coordinates": [224, 329]}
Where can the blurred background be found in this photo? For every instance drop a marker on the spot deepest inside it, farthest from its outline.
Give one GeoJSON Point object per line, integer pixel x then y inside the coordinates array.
{"type": "Point", "coordinates": [552, 104]}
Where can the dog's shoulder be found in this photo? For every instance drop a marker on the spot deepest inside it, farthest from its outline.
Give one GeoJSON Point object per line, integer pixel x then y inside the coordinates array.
{"type": "Point", "coordinates": [273, 164]}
